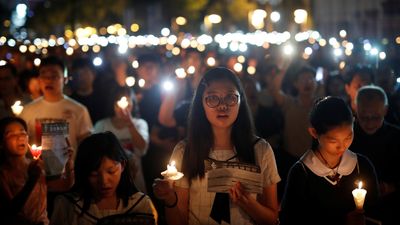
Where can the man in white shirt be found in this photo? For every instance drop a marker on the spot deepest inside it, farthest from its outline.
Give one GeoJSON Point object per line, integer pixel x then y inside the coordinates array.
{"type": "Point", "coordinates": [55, 106]}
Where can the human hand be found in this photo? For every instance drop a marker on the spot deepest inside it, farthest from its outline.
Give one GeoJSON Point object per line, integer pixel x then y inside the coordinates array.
{"type": "Point", "coordinates": [35, 169]}
{"type": "Point", "coordinates": [69, 164]}
{"type": "Point", "coordinates": [238, 195]}
{"type": "Point", "coordinates": [125, 114]}
{"type": "Point", "coordinates": [355, 217]}
{"type": "Point", "coordinates": [163, 190]}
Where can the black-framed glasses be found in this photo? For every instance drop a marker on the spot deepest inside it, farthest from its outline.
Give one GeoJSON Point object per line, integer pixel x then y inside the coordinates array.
{"type": "Point", "coordinates": [213, 101]}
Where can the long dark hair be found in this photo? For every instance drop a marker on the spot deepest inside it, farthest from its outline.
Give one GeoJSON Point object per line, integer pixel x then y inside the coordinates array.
{"type": "Point", "coordinates": [328, 113]}
{"type": "Point", "coordinates": [89, 156]}
{"type": "Point", "coordinates": [200, 137]}
{"type": "Point", "coordinates": [4, 122]}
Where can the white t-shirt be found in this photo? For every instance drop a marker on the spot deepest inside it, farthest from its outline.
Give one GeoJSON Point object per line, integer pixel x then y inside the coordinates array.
{"type": "Point", "coordinates": [201, 201]}
{"type": "Point", "coordinates": [74, 113]}
{"type": "Point", "coordinates": [124, 137]}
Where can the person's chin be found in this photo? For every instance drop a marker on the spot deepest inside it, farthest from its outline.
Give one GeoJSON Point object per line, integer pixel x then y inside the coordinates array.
{"type": "Point", "coordinates": [106, 193]}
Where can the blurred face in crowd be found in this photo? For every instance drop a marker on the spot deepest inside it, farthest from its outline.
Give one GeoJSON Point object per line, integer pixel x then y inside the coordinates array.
{"type": "Point", "coordinates": [149, 71]}
{"type": "Point", "coordinates": [306, 84]}
{"type": "Point", "coordinates": [51, 81]}
{"type": "Point", "coordinates": [221, 104]}
{"type": "Point", "coordinates": [192, 59]}
{"type": "Point", "coordinates": [15, 139]}
{"type": "Point", "coordinates": [104, 181]}
{"type": "Point", "coordinates": [34, 87]}
{"type": "Point", "coordinates": [336, 87]}
{"type": "Point", "coordinates": [371, 114]}
{"type": "Point", "coordinates": [85, 78]}
{"type": "Point", "coordinates": [359, 80]}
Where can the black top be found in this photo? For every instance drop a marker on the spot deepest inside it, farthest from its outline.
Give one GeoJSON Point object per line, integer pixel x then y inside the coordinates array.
{"type": "Point", "coordinates": [311, 199]}
{"type": "Point", "coordinates": [93, 104]}
{"type": "Point", "coordinates": [150, 104]}
{"type": "Point", "coordinates": [382, 148]}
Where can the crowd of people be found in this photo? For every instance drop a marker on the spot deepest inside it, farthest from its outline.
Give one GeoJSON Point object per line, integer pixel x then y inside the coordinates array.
{"type": "Point", "coordinates": [311, 140]}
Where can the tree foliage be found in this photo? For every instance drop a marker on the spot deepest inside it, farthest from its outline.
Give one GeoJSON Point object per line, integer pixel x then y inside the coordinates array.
{"type": "Point", "coordinates": [52, 16]}
{"type": "Point", "coordinates": [57, 14]}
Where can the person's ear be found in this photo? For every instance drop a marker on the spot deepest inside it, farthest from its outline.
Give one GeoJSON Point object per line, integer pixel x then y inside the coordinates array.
{"type": "Point", "coordinates": [313, 132]}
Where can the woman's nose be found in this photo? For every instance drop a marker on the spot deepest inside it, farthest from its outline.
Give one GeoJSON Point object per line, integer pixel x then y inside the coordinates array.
{"type": "Point", "coordinates": [222, 107]}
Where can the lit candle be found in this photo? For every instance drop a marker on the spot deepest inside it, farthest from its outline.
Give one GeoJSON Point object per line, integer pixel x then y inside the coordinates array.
{"type": "Point", "coordinates": [123, 103]}
{"type": "Point", "coordinates": [172, 173]}
{"type": "Point", "coordinates": [36, 151]}
{"type": "Point", "coordinates": [17, 108]}
{"type": "Point", "coordinates": [359, 196]}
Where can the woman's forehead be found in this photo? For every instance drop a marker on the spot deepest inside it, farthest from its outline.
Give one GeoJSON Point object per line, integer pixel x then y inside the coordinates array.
{"type": "Point", "coordinates": [221, 86]}
{"type": "Point", "coordinates": [14, 126]}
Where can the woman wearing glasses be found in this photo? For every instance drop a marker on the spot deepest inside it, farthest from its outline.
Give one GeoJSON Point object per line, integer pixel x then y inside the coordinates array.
{"type": "Point", "coordinates": [220, 129]}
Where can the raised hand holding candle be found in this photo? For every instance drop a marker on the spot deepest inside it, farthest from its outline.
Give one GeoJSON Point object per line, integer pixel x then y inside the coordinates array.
{"type": "Point", "coordinates": [172, 173]}
{"type": "Point", "coordinates": [123, 103]}
{"type": "Point", "coordinates": [359, 196]}
{"type": "Point", "coordinates": [17, 108]}
{"type": "Point", "coordinates": [36, 151]}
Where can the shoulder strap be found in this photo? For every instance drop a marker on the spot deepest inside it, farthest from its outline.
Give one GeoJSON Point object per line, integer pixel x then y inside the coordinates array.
{"type": "Point", "coordinates": [136, 203]}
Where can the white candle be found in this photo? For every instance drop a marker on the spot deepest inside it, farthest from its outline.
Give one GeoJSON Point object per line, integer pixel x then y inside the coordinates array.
{"type": "Point", "coordinates": [36, 151]}
{"type": "Point", "coordinates": [172, 173]}
{"type": "Point", "coordinates": [171, 169]}
{"type": "Point", "coordinates": [359, 196]}
{"type": "Point", "coordinates": [17, 108]}
{"type": "Point", "coordinates": [123, 103]}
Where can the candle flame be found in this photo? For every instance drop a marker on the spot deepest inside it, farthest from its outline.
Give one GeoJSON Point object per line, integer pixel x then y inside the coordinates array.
{"type": "Point", "coordinates": [17, 108]}
{"type": "Point", "coordinates": [123, 103]}
{"type": "Point", "coordinates": [172, 163]}
{"type": "Point", "coordinates": [360, 185]}
{"type": "Point", "coordinates": [36, 151]}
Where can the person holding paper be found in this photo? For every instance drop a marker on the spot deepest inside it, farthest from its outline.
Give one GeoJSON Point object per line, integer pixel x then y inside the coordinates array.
{"type": "Point", "coordinates": [54, 105]}
{"type": "Point", "coordinates": [221, 130]}
{"type": "Point", "coordinates": [320, 185]}
{"type": "Point", "coordinates": [23, 186]}
{"type": "Point", "coordinates": [47, 115]}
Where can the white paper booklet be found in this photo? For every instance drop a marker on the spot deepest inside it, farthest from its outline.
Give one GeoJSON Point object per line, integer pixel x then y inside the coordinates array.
{"type": "Point", "coordinates": [223, 175]}
{"type": "Point", "coordinates": [54, 145]}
